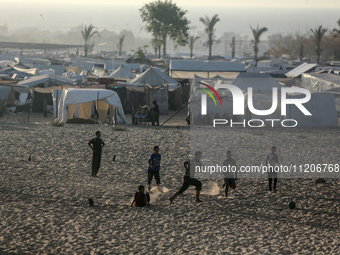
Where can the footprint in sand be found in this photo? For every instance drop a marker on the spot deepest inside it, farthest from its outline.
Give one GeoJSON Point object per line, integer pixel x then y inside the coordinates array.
{"type": "Point", "coordinates": [158, 190]}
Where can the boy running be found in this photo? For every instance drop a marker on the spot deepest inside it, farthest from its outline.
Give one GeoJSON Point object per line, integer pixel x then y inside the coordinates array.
{"type": "Point", "coordinates": [230, 177]}
{"type": "Point", "coordinates": [96, 144]}
{"type": "Point", "coordinates": [272, 160]}
{"type": "Point", "coordinates": [154, 166]}
{"type": "Point", "coordinates": [187, 181]}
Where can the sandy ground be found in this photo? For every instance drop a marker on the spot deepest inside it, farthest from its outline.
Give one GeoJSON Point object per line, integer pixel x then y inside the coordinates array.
{"type": "Point", "coordinates": [44, 202]}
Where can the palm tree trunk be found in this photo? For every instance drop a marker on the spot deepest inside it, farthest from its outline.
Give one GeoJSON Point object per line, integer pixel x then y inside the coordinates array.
{"type": "Point", "coordinates": [255, 50]}
{"type": "Point", "coordinates": [85, 49]}
{"type": "Point", "coordinates": [210, 46]}
{"type": "Point", "coordinates": [164, 47]}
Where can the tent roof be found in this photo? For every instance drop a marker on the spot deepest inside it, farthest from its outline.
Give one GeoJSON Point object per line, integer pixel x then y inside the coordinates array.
{"type": "Point", "coordinates": [50, 89]}
{"type": "Point", "coordinates": [300, 70]}
{"type": "Point", "coordinates": [153, 77]}
{"type": "Point", "coordinates": [325, 76]}
{"type": "Point", "coordinates": [81, 95]}
{"type": "Point", "coordinates": [206, 66]}
{"type": "Point", "coordinates": [34, 80]}
{"type": "Point", "coordinates": [258, 81]}
{"type": "Point", "coordinates": [122, 72]}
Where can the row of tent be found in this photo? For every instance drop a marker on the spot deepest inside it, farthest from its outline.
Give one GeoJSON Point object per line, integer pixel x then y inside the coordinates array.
{"type": "Point", "coordinates": [153, 84]}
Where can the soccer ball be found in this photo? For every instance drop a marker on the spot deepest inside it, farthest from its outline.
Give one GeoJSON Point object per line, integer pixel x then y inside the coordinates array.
{"type": "Point", "coordinates": [291, 205]}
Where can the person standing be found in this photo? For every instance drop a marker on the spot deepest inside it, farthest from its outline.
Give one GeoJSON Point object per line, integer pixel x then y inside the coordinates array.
{"type": "Point", "coordinates": [230, 176]}
{"type": "Point", "coordinates": [154, 166]}
{"type": "Point", "coordinates": [155, 113]}
{"type": "Point", "coordinates": [272, 160]}
{"type": "Point", "coordinates": [96, 144]}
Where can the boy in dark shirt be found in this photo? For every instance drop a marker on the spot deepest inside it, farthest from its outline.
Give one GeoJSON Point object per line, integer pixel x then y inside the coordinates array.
{"type": "Point", "coordinates": [154, 166]}
{"type": "Point", "coordinates": [96, 144]}
{"type": "Point", "coordinates": [141, 199]}
{"type": "Point", "coordinates": [187, 180]}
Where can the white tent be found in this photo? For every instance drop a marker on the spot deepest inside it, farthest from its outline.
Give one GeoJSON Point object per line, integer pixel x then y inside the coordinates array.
{"type": "Point", "coordinates": [122, 73]}
{"type": "Point", "coordinates": [321, 82]}
{"type": "Point", "coordinates": [322, 108]}
{"type": "Point", "coordinates": [81, 101]}
{"type": "Point", "coordinates": [153, 77]}
{"type": "Point", "coordinates": [156, 84]}
{"type": "Point", "coordinates": [262, 85]}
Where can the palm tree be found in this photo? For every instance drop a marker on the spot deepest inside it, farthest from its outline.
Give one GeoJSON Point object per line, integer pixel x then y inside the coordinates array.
{"type": "Point", "coordinates": [337, 31]}
{"type": "Point", "coordinates": [318, 33]}
{"type": "Point", "coordinates": [209, 29]}
{"type": "Point", "coordinates": [257, 32]}
{"type": "Point", "coordinates": [301, 51]}
{"type": "Point", "coordinates": [232, 45]}
{"type": "Point", "coordinates": [87, 35]}
{"type": "Point", "coordinates": [192, 40]}
{"type": "Point", "coordinates": [120, 44]}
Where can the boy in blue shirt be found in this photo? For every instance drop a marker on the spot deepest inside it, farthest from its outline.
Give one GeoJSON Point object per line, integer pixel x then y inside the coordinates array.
{"type": "Point", "coordinates": [154, 166]}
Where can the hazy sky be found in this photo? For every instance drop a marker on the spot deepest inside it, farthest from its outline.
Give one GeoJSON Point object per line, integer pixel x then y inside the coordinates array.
{"type": "Point", "coordinates": [236, 16]}
{"type": "Point", "coordinates": [227, 3]}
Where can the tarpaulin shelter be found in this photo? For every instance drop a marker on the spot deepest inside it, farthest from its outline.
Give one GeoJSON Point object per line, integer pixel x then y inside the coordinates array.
{"type": "Point", "coordinates": [321, 82]}
{"type": "Point", "coordinates": [156, 84]}
{"type": "Point", "coordinates": [77, 103]}
{"type": "Point", "coordinates": [41, 94]}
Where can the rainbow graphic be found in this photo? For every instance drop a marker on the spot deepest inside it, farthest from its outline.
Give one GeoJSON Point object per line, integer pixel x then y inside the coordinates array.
{"type": "Point", "coordinates": [209, 93]}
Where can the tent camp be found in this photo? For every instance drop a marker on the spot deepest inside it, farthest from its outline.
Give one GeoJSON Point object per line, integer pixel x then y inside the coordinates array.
{"type": "Point", "coordinates": [78, 103]}
{"type": "Point", "coordinates": [322, 108]}
{"type": "Point", "coordinates": [184, 69]}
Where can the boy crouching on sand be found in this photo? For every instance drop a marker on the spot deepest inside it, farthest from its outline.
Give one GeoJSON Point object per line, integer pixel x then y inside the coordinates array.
{"type": "Point", "coordinates": [141, 199]}
{"type": "Point", "coordinates": [187, 180]}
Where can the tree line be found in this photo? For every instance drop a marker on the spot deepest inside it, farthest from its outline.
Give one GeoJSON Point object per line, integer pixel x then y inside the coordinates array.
{"type": "Point", "coordinates": [165, 20]}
